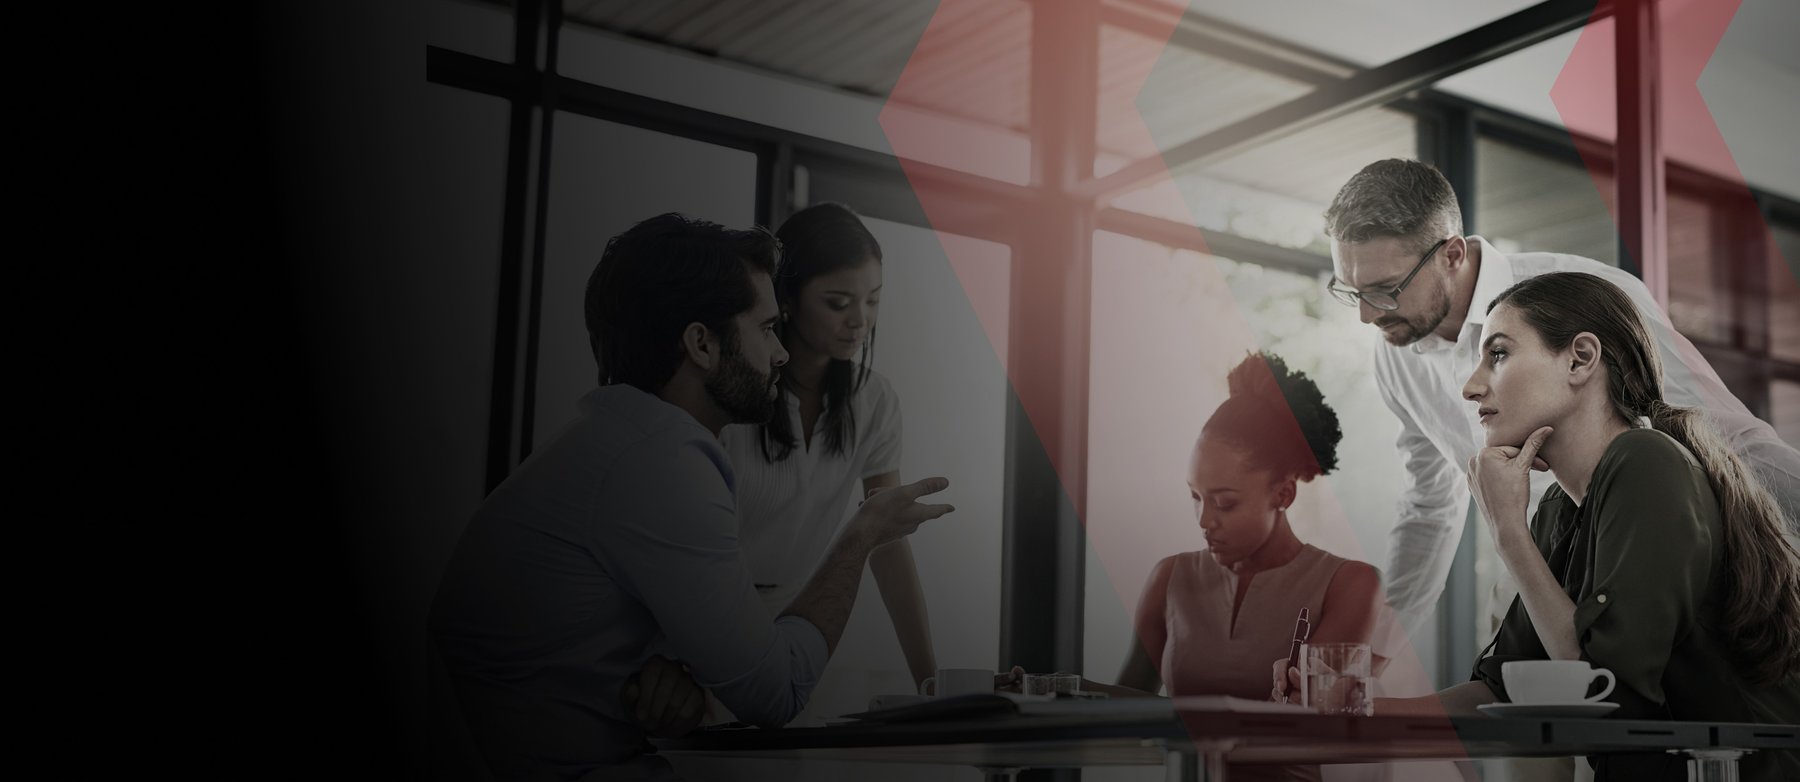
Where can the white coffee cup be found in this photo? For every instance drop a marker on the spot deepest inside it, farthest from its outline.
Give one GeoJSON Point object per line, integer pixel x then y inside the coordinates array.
{"type": "Point", "coordinates": [1553, 681]}
{"type": "Point", "coordinates": [958, 681]}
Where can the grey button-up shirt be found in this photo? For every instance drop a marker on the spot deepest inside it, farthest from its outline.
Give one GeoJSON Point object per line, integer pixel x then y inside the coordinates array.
{"type": "Point", "coordinates": [616, 541]}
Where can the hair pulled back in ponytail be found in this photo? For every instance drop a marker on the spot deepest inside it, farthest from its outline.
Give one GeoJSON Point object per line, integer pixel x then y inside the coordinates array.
{"type": "Point", "coordinates": [1762, 576]}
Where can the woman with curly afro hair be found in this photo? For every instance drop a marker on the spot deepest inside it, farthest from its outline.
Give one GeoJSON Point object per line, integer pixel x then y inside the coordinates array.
{"type": "Point", "coordinates": [1213, 621]}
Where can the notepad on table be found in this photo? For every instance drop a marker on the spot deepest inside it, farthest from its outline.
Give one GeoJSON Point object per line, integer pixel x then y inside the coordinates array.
{"type": "Point", "coordinates": [1001, 704]}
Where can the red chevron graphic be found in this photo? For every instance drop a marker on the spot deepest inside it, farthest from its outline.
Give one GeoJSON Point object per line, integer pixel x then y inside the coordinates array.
{"type": "Point", "coordinates": [1690, 36]}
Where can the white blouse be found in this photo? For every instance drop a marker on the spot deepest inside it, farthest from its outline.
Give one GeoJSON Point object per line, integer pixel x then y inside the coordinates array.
{"type": "Point", "coordinates": [789, 511]}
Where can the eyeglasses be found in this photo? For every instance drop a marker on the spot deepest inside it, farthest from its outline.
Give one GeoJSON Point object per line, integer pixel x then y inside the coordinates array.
{"type": "Point", "coordinates": [1387, 300]}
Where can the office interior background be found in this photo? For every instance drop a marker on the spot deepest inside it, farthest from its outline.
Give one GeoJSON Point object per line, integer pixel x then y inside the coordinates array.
{"type": "Point", "coordinates": [449, 170]}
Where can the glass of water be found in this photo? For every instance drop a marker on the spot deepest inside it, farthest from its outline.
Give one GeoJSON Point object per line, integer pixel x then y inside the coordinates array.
{"type": "Point", "coordinates": [1052, 684]}
{"type": "Point", "coordinates": [1337, 679]}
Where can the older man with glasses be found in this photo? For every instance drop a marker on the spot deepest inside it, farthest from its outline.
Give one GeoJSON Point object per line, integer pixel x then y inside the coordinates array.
{"type": "Point", "coordinates": [1399, 256]}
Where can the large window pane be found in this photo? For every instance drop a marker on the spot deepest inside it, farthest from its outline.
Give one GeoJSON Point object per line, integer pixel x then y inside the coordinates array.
{"type": "Point", "coordinates": [1184, 94]}
{"type": "Point", "coordinates": [1525, 201]}
{"type": "Point", "coordinates": [1529, 202]}
{"type": "Point", "coordinates": [1701, 304]}
{"type": "Point", "coordinates": [605, 178]}
{"type": "Point", "coordinates": [1784, 410]}
{"type": "Point", "coordinates": [1784, 294]}
{"type": "Point", "coordinates": [1277, 193]}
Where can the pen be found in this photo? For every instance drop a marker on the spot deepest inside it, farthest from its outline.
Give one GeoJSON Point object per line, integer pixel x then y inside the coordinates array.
{"type": "Point", "coordinates": [1302, 631]}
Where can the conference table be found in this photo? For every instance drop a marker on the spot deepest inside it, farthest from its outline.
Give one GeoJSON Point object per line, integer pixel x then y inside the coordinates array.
{"type": "Point", "coordinates": [1197, 741]}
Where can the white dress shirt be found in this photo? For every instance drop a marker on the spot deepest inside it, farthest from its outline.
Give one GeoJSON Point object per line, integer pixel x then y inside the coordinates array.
{"type": "Point", "coordinates": [1439, 430]}
{"type": "Point", "coordinates": [789, 511]}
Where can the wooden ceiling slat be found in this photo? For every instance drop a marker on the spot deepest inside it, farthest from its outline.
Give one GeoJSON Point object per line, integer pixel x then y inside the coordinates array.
{"type": "Point", "coordinates": [755, 44]}
{"type": "Point", "coordinates": [671, 14]}
{"type": "Point", "coordinates": [798, 49]}
{"type": "Point", "coordinates": [873, 59]}
{"type": "Point", "coordinates": [695, 28]}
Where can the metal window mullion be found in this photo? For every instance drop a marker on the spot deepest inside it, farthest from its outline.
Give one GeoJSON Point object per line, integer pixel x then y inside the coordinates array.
{"type": "Point", "coordinates": [505, 392]}
{"type": "Point", "coordinates": [1448, 142]}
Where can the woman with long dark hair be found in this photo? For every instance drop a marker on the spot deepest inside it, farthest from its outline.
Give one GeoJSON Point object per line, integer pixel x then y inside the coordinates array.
{"type": "Point", "coordinates": [835, 435]}
{"type": "Point", "coordinates": [1656, 555]}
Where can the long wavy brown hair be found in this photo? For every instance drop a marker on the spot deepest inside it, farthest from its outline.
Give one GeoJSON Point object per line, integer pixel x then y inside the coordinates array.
{"type": "Point", "coordinates": [1762, 571]}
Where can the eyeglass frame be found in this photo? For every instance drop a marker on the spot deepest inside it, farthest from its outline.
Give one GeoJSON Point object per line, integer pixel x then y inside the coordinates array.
{"type": "Point", "coordinates": [1392, 295]}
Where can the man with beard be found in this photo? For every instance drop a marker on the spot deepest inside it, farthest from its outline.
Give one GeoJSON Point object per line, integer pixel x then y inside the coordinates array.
{"type": "Point", "coordinates": [1398, 254]}
{"type": "Point", "coordinates": [600, 586]}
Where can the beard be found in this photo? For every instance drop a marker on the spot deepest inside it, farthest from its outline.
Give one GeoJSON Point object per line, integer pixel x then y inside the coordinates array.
{"type": "Point", "coordinates": [1416, 327]}
{"type": "Point", "coordinates": [737, 388]}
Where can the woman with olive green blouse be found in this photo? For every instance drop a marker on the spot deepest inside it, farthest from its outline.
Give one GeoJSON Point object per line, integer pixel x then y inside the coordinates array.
{"type": "Point", "coordinates": [1639, 562]}
{"type": "Point", "coordinates": [1657, 555]}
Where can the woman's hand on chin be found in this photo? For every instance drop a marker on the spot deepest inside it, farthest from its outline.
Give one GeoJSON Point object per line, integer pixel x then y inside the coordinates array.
{"type": "Point", "coordinates": [1500, 478]}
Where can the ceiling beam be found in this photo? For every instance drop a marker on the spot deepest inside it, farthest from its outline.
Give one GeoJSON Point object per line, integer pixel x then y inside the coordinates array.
{"type": "Point", "coordinates": [1362, 90]}
{"type": "Point", "coordinates": [1216, 37]}
{"type": "Point", "coordinates": [1184, 236]}
{"type": "Point", "coordinates": [505, 80]}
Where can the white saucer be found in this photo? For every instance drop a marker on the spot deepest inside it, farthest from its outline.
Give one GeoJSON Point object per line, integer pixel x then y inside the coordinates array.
{"type": "Point", "coordinates": [1540, 710]}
